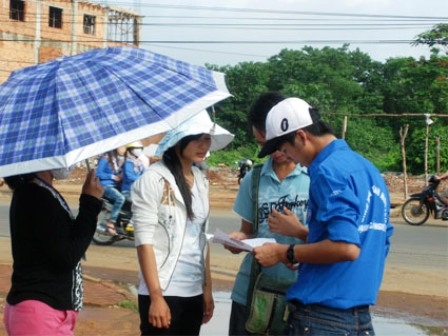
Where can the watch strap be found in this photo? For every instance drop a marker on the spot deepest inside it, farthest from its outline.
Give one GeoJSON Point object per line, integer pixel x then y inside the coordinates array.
{"type": "Point", "coordinates": [290, 254]}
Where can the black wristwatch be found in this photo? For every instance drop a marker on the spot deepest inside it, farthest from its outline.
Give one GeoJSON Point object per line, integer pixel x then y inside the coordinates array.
{"type": "Point", "coordinates": [290, 254]}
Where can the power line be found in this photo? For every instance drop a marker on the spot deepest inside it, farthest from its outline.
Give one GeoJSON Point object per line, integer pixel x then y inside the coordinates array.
{"type": "Point", "coordinates": [248, 20]}
{"type": "Point", "coordinates": [286, 27]}
{"type": "Point", "coordinates": [291, 25]}
{"type": "Point", "coordinates": [254, 19]}
{"type": "Point", "coordinates": [289, 12]}
{"type": "Point", "coordinates": [252, 26]}
{"type": "Point", "coordinates": [229, 41]}
{"type": "Point", "coordinates": [207, 50]}
{"type": "Point", "coordinates": [304, 17]}
{"type": "Point", "coordinates": [208, 17]}
{"type": "Point", "coordinates": [222, 10]}
{"type": "Point", "coordinates": [265, 25]}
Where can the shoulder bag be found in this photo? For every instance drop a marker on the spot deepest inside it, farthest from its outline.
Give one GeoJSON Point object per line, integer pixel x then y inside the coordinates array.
{"type": "Point", "coordinates": [268, 312]}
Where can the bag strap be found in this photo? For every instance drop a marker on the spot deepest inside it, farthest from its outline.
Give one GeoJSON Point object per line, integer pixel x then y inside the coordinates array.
{"type": "Point", "coordinates": [255, 267]}
{"type": "Point", "coordinates": [255, 183]}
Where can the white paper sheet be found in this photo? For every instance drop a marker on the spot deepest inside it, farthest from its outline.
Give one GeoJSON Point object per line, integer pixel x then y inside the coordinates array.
{"type": "Point", "coordinates": [223, 238]}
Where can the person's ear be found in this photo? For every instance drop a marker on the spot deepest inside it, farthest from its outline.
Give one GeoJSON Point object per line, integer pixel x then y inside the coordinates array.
{"type": "Point", "coordinates": [301, 137]}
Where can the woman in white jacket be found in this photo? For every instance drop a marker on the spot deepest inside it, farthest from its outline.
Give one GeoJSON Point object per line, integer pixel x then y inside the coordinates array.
{"type": "Point", "coordinates": [170, 214]}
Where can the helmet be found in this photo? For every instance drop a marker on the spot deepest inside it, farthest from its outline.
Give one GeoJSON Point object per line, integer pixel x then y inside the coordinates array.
{"type": "Point", "coordinates": [135, 144]}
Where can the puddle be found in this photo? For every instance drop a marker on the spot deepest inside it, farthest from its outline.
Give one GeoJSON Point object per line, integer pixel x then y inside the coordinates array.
{"type": "Point", "coordinates": [218, 326]}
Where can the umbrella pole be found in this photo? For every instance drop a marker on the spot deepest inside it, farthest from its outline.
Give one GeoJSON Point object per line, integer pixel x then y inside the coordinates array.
{"type": "Point", "coordinates": [88, 166]}
{"type": "Point", "coordinates": [214, 115]}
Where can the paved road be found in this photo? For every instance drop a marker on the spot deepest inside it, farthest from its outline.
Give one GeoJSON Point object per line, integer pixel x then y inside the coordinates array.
{"type": "Point", "coordinates": [424, 247]}
{"type": "Point", "coordinates": [417, 263]}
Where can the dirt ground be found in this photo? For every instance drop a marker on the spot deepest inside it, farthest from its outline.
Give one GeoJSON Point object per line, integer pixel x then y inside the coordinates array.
{"type": "Point", "coordinates": [398, 298]}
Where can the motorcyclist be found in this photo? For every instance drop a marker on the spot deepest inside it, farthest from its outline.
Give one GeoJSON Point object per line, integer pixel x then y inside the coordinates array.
{"type": "Point", "coordinates": [109, 174]}
{"type": "Point", "coordinates": [133, 167]}
{"type": "Point", "coordinates": [444, 194]}
{"type": "Point", "coordinates": [245, 165]}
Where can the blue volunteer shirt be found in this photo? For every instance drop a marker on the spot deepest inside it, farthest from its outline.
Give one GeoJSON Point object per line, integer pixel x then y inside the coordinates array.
{"type": "Point", "coordinates": [292, 193]}
{"type": "Point", "coordinates": [105, 173]}
{"type": "Point", "coordinates": [132, 169]}
{"type": "Point", "coordinates": [349, 202]}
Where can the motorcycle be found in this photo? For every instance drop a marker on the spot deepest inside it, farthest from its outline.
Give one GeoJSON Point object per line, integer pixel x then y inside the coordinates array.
{"type": "Point", "coordinates": [123, 225]}
{"type": "Point", "coordinates": [245, 166]}
{"type": "Point", "coordinates": [417, 209]}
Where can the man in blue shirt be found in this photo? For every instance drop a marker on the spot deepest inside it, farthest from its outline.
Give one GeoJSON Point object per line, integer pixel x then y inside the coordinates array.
{"type": "Point", "coordinates": [342, 264]}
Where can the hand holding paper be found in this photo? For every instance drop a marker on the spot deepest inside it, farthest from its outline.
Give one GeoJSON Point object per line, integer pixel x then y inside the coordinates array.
{"type": "Point", "coordinates": [223, 238]}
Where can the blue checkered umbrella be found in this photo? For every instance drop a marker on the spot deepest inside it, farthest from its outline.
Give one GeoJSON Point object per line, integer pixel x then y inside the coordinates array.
{"type": "Point", "coordinates": [58, 113]}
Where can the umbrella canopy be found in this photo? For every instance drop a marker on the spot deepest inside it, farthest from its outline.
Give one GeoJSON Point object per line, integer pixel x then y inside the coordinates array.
{"type": "Point", "coordinates": [58, 113]}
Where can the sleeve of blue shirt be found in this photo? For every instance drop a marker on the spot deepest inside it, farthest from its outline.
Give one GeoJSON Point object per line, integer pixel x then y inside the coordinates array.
{"type": "Point", "coordinates": [103, 170]}
{"type": "Point", "coordinates": [129, 173]}
{"type": "Point", "coordinates": [339, 208]}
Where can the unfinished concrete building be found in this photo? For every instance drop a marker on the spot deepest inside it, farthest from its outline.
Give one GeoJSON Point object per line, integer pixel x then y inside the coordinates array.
{"type": "Point", "coordinates": [37, 31]}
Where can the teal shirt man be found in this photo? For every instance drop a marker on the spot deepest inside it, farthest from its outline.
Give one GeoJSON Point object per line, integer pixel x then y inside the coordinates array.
{"type": "Point", "coordinates": [291, 192]}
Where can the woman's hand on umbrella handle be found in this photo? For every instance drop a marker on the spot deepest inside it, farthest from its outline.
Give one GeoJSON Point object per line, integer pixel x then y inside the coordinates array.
{"type": "Point", "coordinates": [92, 185]}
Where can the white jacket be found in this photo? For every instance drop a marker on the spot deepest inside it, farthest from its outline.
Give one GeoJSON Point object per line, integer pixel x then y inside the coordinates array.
{"type": "Point", "coordinates": [160, 216]}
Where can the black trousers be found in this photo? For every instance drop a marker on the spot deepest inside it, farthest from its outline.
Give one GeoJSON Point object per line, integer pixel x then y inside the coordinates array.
{"type": "Point", "coordinates": [186, 315]}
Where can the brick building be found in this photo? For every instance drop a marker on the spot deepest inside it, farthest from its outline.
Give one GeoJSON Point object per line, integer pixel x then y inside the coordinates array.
{"type": "Point", "coordinates": [37, 31]}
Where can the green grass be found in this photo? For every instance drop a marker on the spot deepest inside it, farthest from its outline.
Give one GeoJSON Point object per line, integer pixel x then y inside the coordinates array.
{"type": "Point", "coordinates": [230, 158]}
{"type": "Point", "coordinates": [433, 330]}
{"type": "Point", "coordinates": [127, 304]}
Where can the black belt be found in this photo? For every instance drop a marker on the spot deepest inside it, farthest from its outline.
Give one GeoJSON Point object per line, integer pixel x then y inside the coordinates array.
{"type": "Point", "coordinates": [296, 305]}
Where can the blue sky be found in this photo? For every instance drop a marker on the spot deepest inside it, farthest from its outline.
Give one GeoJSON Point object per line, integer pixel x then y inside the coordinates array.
{"type": "Point", "coordinates": [259, 29]}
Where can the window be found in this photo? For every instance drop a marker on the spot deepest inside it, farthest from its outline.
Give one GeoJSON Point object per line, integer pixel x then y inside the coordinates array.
{"type": "Point", "coordinates": [122, 27]}
{"type": "Point", "coordinates": [89, 24]}
{"type": "Point", "coordinates": [17, 10]}
{"type": "Point", "coordinates": [55, 19]}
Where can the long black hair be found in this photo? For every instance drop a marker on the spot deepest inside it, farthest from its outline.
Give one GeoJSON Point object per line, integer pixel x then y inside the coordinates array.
{"type": "Point", "coordinates": [173, 164]}
{"type": "Point", "coordinates": [15, 181]}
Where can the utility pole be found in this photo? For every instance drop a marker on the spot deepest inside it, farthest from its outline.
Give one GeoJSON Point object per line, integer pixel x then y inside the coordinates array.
{"type": "Point", "coordinates": [38, 29]}
{"type": "Point", "coordinates": [73, 45]}
{"type": "Point", "coordinates": [428, 122]}
{"type": "Point", "coordinates": [438, 156]}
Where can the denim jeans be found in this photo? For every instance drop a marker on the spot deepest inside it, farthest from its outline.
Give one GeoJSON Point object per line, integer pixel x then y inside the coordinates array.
{"type": "Point", "coordinates": [319, 320]}
{"type": "Point", "coordinates": [127, 195]}
{"type": "Point", "coordinates": [118, 198]}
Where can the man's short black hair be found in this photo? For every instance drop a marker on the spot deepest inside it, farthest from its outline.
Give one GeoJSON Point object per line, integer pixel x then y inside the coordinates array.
{"type": "Point", "coordinates": [261, 107]}
{"type": "Point", "coordinates": [318, 127]}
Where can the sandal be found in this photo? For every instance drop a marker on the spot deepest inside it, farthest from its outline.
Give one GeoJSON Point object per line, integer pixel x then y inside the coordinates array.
{"type": "Point", "coordinates": [110, 229]}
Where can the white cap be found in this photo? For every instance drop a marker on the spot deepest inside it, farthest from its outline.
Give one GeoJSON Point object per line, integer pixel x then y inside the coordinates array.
{"type": "Point", "coordinates": [200, 123]}
{"type": "Point", "coordinates": [287, 116]}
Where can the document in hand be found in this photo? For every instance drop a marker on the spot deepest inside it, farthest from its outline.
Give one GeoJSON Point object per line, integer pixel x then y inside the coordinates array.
{"type": "Point", "coordinates": [223, 238]}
